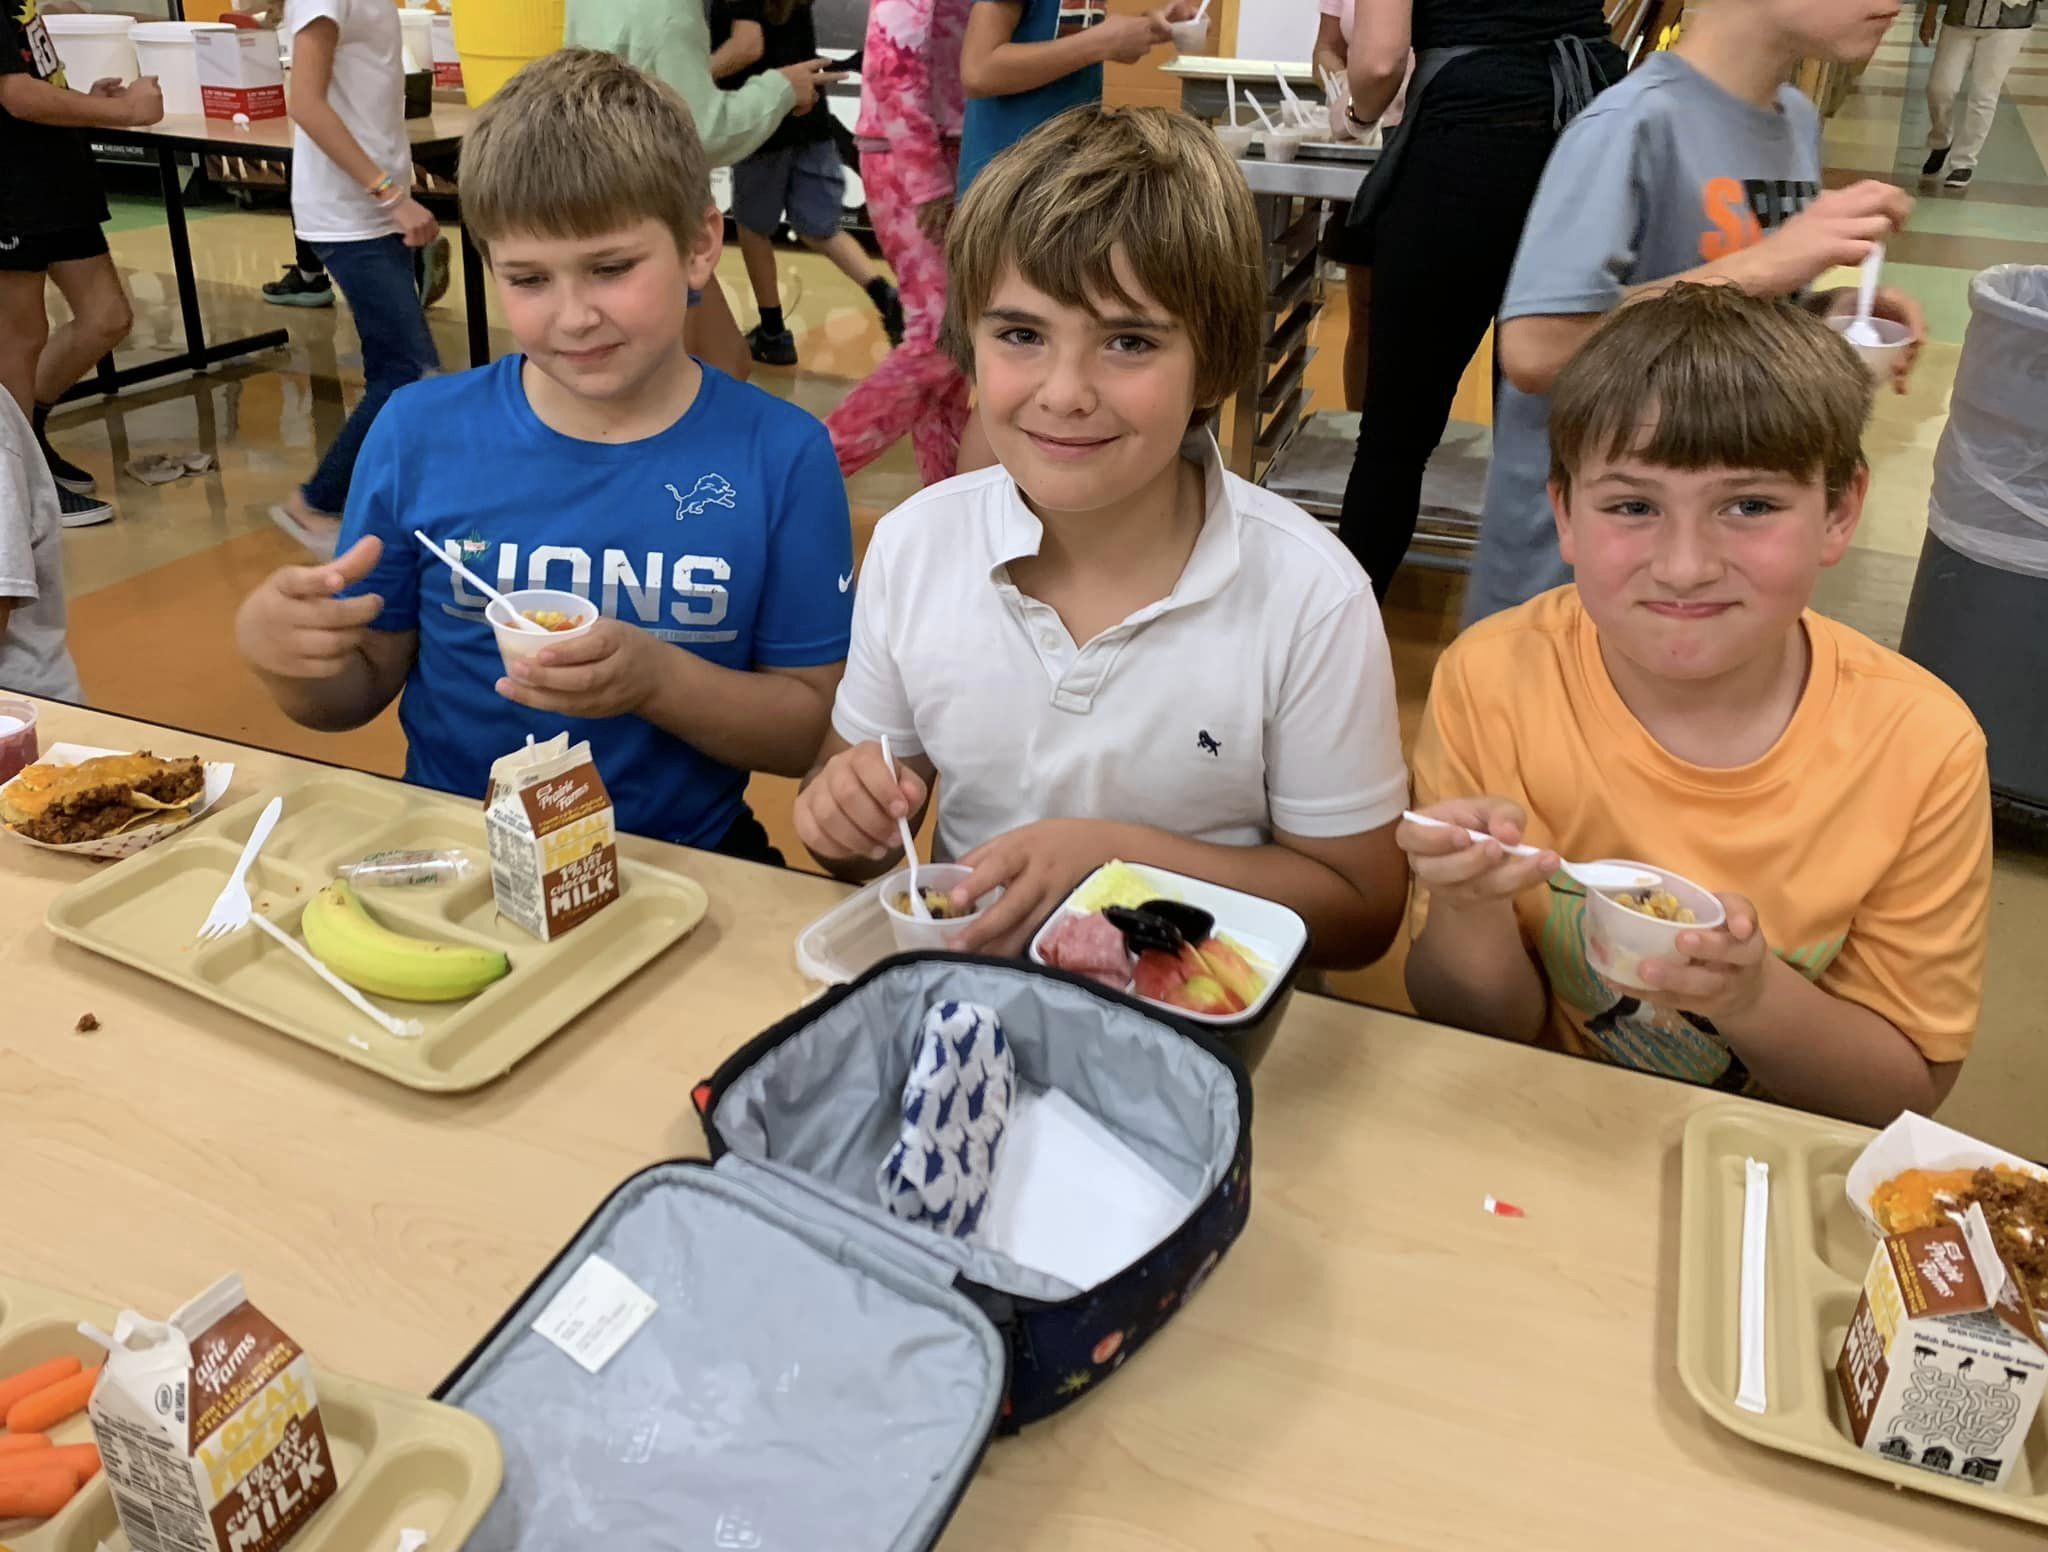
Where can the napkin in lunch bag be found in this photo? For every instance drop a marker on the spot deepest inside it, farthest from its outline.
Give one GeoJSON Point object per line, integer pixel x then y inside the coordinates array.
{"type": "Point", "coordinates": [956, 1104]}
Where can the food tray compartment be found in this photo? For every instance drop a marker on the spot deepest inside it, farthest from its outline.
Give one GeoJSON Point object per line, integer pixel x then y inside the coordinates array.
{"type": "Point", "coordinates": [146, 912]}
{"type": "Point", "coordinates": [401, 1463]}
{"type": "Point", "coordinates": [1818, 1253]}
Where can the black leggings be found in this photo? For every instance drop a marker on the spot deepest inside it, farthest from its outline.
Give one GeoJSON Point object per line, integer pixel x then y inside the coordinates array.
{"type": "Point", "coordinates": [1443, 242]}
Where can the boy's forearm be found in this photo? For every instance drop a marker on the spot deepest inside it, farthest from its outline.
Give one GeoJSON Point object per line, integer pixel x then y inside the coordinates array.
{"type": "Point", "coordinates": [1818, 1051]}
{"type": "Point", "coordinates": [1009, 68]}
{"type": "Point", "coordinates": [323, 126]}
{"type": "Point", "coordinates": [745, 719]}
{"type": "Point", "coordinates": [38, 102]}
{"type": "Point", "coordinates": [335, 705]}
{"type": "Point", "coordinates": [1347, 928]}
{"type": "Point", "coordinates": [1470, 968]}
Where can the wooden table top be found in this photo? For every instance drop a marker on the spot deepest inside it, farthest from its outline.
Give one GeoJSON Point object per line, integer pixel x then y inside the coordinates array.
{"type": "Point", "coordinates": [1378, 1364]}
{"type": "Point", "coordinates": [272, 138]}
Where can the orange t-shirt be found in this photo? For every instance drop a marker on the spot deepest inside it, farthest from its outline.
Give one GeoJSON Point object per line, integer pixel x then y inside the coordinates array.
{"type": "Point", "coordinates": [1863, 836]}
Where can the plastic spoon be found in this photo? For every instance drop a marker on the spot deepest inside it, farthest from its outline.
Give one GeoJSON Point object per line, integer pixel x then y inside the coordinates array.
{"type": "Point", "coordinates": [1594, 875]}
{"type": "Point", "coordinates": [1261, 112]}
{"type": "Point", "coordinates": [1290, 103]}
{"type": "Point", "coordinates": [1230, 84]}
{"type": "Point", "coordinates": [447, 558]}
{"type": "Point", "coordinates": [1861, 331]}
{"type": "Point", "coordinates": [918, 908]}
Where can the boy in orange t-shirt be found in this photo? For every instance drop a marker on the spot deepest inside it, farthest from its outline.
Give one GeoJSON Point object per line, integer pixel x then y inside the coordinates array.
{"type": "Point", "coordinates": [1681, 706]}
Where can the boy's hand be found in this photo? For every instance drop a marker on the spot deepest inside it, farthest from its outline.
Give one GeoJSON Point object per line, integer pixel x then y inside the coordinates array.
{"type": "Point", "coordinates": [1900, 308]}
{"type": "Point", "coordinates": [293, 627]}
{"type": "Point", "coordinates": [144, 100]}
{"type": "Point", "coordinates": [416, 223]}
{"type": "Point", "coordinates": [1836, 230]}
{"type": "Point", "coordinates": [1722, 975]}
{"type": "Point", "coordinates": [809, 79]}
{"type": "Point", "coordinates": [848, 811]}
{"type": "Point", "coordinates": [611, 670]}
{"type": "Point", "coordinates": [1461, 873]}
{"type": "Point", "coordinates": [1930, 23]}
{"type": "Point", "coordinates": [1036, 866]}
{"type": "Point", "coordinates": [1182, 10]}
{"type": "Point", "coordinates": [1128, 39]}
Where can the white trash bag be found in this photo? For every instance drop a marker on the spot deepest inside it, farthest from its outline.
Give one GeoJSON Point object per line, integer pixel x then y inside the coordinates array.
{"type": "Point", "coordinates": [1990, 496]}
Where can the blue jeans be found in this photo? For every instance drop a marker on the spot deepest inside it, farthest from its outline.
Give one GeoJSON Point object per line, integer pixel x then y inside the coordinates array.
{"type": "Point", "coordinates": [377, 279]}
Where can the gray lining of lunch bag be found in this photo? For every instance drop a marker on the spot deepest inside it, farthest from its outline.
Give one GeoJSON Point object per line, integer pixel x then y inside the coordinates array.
{"type": "Point", "coordinates": [792, 1389]}
{"type": "Point", "coordinates": [824, 1103]}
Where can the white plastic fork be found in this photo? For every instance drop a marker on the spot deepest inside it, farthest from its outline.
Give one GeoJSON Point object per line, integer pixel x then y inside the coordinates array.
{"type": "Point", "coordinates": [233, 910]}
{"type": "Point", "coordinates": [1594, 875]}
{"type": "Point", "coordinates": [918, 908]}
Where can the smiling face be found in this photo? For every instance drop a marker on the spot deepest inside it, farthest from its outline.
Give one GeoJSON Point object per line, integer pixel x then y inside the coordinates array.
{"type": "Point", "coordinates": [1085, 406]}
{"type": "Point", "coordinates": [602, 316]}
{"type": "Point", "coordinates": [1694, 574]}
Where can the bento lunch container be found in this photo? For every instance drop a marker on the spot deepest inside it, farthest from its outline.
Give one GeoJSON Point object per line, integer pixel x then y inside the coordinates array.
{"type": "Point", "coordinates": [818, 1373]}
{"type": "Point", "coordinates": [1276, 935]}
{"type": "Point", "coordinates": [1618, 940]}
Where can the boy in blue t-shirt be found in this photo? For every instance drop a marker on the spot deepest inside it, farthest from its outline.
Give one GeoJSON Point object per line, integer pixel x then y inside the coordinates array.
{"type": "Point", "coordinates": [696, 513]}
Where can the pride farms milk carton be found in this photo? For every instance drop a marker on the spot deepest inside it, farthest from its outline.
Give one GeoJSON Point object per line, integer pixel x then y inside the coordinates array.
{"type": "Point", "coordinates": [209, 1429]}
{"type": "Point", "coordinates": [1943, 1366]}
{"type": "Point", "coordinates": [554, 851]}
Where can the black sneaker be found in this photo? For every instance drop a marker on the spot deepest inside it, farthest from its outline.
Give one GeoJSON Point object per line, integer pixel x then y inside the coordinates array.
{"type": "Point", "coordinates": [295, 289]}
{"type": "Point", "coordinates": [777, 349]}
{"type": "Point", "coordinates": [890, 305]}
{"type": "Point", "coordinates": [1931, 168]}
{"type": "Point", "coordinates": [67, 474]}
{"type": "Point", "coordinates": [1958, 178]}
{"type": "Point", "coordinates": [76, 511]}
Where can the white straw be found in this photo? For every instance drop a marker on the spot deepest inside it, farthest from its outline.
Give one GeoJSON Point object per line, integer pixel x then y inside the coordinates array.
{"type": "Point", "coordinates": [447, 558]}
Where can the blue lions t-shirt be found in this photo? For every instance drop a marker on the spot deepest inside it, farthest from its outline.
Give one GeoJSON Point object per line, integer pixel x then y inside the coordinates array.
{"type": "Point", "coordinates": [726, 535]}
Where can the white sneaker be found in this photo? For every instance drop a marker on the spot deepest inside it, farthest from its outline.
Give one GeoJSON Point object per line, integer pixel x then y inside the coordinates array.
{"type": "Point", "coordinates": [76, 511]}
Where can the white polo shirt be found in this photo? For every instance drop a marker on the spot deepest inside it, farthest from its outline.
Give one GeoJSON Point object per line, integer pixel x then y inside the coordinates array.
{"type": "Point", "coordinates": [1258, 695]}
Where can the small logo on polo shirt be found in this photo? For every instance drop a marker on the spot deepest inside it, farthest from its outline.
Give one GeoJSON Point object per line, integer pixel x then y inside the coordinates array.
{"type": "Point", "coordinates": [1205, 742]}
{"type": "Point", "coordinates": [845, 582]}
{"type": "Point", "coordinates": [714, 490]}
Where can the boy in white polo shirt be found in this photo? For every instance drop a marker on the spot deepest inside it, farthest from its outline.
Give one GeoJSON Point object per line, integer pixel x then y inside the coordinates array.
{"type": "Point", "coordinates": [1108, 646]}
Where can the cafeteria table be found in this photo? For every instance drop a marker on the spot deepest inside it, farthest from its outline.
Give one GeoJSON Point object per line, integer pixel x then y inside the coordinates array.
{"type": "Point", "coordinates": [1378, 1363]}
{"type": "Point", "coordinates": [440, 133]}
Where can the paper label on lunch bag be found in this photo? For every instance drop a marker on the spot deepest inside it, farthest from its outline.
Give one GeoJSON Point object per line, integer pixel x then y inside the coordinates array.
{"type": "Point", "coordinates": [595, 1314]}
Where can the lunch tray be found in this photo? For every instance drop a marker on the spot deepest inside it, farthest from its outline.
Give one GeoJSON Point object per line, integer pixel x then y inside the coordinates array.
{"type": "Point", "coordinates": [146, 911]}
{"type": "Point", "coordinates": [401, 1463]}
{"type": "Point", "coordinates": [1819, 1252]}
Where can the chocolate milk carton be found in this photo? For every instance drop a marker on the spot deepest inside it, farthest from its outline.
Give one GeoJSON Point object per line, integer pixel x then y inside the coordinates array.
{"type": "Point", "coordinates": [554, 852]}
{"type": "Point", "coordinates": [1943, 1367]}
{"type": "Point", "coordinates": [209, 1429]}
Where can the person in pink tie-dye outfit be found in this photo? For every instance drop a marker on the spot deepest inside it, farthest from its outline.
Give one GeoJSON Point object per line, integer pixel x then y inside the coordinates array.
{"type": "Point", "coordinates": [911, 104]}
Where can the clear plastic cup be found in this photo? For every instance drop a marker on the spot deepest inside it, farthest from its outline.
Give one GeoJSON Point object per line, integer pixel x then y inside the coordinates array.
{"type": "Point", "coordinates": [1236, 139]}
{"type": "Point", "coordinates": [1618, 939]}
{"type": "Point", "coordinates": [1893, 338]}
{"type": "Point", "coordinates": [18, 743]}
{"type": "Point", "coordinates": [1190, 37]}
{"type": "Point", "coordinates": [909, 931]}
{"type": "Point", "coordinates": [515, 643]}
{"type": "Point", "coordinates": [1282, 145]}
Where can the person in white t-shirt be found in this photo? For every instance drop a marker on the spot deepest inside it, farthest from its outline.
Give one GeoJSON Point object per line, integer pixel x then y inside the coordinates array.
{"type": "Point", "coordinates": [1108, 646]}
{"type": "Point", "coordinates": [352, 201]}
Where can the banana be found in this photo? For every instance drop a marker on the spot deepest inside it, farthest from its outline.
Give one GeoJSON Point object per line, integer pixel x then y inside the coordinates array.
{"type": "Point", "coordinates": [352, 943]}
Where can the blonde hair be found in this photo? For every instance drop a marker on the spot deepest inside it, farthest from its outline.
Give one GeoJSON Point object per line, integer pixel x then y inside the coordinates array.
{"type": "Point", "coordinates": [581, 144]}
{"type": "Point", "coordinates": [1146, 183]}
{"type": "Point", "coordinates": [1710, 377]}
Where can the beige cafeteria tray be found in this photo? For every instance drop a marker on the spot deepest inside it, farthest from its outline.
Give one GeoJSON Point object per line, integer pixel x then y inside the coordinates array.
{"type": "Point", "coordinates": [1818, 1253]}
{"type": "Point", "coordinates": [402, 1463]}
{"type": "Point", "coordinates": [147, 910]}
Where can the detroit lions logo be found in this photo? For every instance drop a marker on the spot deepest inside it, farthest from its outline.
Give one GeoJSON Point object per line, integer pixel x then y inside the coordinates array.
{"type": "Point", "coordinates": [714, 490]}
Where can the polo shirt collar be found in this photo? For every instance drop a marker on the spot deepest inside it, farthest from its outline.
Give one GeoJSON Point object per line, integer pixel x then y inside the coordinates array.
{"type": "Point", "coordinates": [1015, 531]}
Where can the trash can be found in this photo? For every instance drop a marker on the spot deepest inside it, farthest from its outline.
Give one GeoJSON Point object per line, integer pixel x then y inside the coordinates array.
{"type": "Point", "coordinates": [499, 38]}
{"type": "Point", "coordinates": [1979, 611]}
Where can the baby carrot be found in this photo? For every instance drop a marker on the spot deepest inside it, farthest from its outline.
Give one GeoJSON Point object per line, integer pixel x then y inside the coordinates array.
{"type": "Point", "coordinates": [81, 1460]}
{"type": "Point", "coordinates": [34, 1413]}
{"type": "Point", "coordinates": [29, 1381]}
{"type": "Point", "coordinates": [10, 1443]}
{"type": "Point", "coordinates": [36, 1495]}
